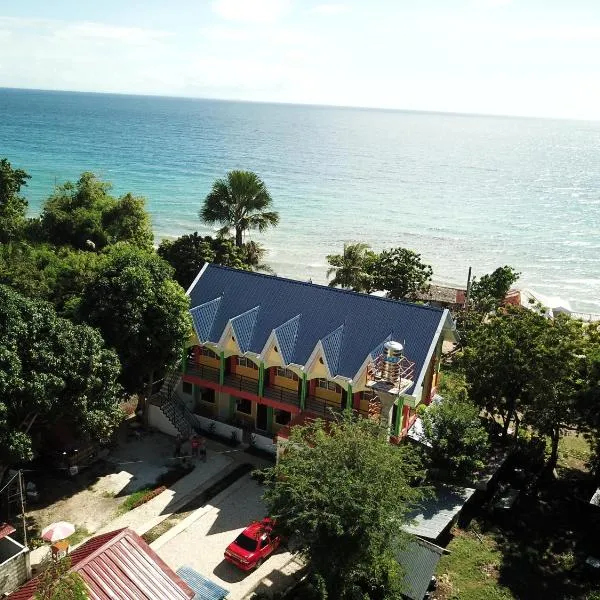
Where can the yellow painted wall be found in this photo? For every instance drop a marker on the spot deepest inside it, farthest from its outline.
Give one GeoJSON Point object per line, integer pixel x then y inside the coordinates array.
{"type": "Point", "coordinates": [329, 395]}
{"type": "Point", "coordinates": [273, 358]}
{"type": "Point", "coordinates": [286, 382]}
{"type": "Point", "coordinates": [211, 362]}
{"type": "Point", "coordinates": [317, 370]}
{"type": "Point", "coordinates": [246, 372]}
{"type": "Point", "coordinates": [364, 406]}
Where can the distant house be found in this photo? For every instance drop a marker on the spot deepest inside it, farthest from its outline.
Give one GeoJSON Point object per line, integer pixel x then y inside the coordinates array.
{"type": "Point", "coordinates": [444, 296]}
{"type": "Point", "coordinates": [269, 352]}
{"type": "Point", "coordinates": [120, 564]}
{"type": "Point", "coordinates": [14, 561]}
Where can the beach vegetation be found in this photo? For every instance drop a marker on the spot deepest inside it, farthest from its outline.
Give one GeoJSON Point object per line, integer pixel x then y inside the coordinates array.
{"type": "Point", "coordinates": [51, 371]}
{"type": "Point", "coordinates": [140, 311]}
{"type": "Point", "coordinates": [13, 206]}
{"type": "Point", "coordinates": [353, 269]}
{"type": "Point", "coordinates": [489, 291]}
{"type": "Point", "coordinates": [343, 491]}
{"type": "Point", "coordinates": [239, 202]}
{"type": "Point", "coordinates": [85, 216]}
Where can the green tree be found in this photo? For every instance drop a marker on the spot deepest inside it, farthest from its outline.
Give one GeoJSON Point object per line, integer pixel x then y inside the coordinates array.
{"type": "Point", "coordinates": [456, 438]}
{"type": "Point", "coordinates": [13, 207]}
{"type": "Point", "coordinates": [140, 310]}
{"type": "Point", "coordinates": [353, 268]}
{"type": "Point", "coordinates": [488, 292]}
{"type": "Point", "coordinates": [402, 273]}
{"type": "Point", "coordinates": [344, 492]}
{"type": "Point", "coordinates": [253, 255]}
{"type": "Point", "coordinates": [188, 254]}
{"type": "Point", "coordinates": [240, 202]}
{"type": "Point", "coordinates": [51, 371]}
{"type": "Point", "coordinates": [58, 582]}
{"type": "Point", "coordinates": [84, 215]}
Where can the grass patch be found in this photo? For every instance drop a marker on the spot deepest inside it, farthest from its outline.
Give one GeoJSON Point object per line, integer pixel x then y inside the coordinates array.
{"type": "Point", "coordinates": [133, 499]}
{"type": "Point", "coordinates": [573, 454]}
{"type": "Point", "coordinates": [470, 571]}
{"type": "Point", "coordinates": [81, 533]}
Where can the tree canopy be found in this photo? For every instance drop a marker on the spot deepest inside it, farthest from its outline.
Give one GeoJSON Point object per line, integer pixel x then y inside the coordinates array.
{"type": "Point", "coordinates": [402, 273]}
{"type": "Point", "coordinates": [140, 310]}
{"type": "Point", "coordinates": [241, 202]}
{"type": "Point", "coordinates": [13, 207]}
{"type": "Point", "coordinates": [84, 215]}
{"type": "Point", "coordinates": [353, 269]}
{"type": "Point", "coordinates": [51, 370]}
{"type": "Point", "coordinates": [344, 492]}
{"type": "Point", "coordinates": [488, 292]}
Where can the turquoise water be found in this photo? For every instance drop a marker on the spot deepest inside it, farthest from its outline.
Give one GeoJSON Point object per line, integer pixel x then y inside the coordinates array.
{"type": "Point", "coordinates": [462, 190]}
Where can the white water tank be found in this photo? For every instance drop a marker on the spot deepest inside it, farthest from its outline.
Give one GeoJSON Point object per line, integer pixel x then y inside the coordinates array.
{"type": "Point", "coordinates": [391, 357]}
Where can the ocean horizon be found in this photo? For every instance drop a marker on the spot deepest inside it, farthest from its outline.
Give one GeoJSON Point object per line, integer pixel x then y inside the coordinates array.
{"type": "Point", "coordinates": [462, 190]}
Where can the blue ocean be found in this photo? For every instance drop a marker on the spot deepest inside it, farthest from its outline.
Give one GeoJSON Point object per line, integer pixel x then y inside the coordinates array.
{"type": "Point", "coordinates": [461, 190]}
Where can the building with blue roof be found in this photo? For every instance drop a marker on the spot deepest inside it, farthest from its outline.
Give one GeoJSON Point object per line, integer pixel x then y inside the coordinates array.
{"type": "Point", "coordinates": [268, 352]}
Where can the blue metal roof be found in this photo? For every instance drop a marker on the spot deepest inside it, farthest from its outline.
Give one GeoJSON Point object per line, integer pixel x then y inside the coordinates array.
{"type": "Point", "coordinates": [243, 327]}
{"type": "Point", "coordinates": [367, 320]}
{"type": "Point", "coordinates": [205, 589]}
{"type": "Point", "coordinates": [332, 345]}
{"type": "Point", "coordinates": [203, 317]}
{"type": "Point", "coordinates": [286, 336]}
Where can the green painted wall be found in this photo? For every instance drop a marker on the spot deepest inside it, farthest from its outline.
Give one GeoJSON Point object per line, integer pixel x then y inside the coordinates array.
{"type": "Point", "coordinates": [261, 379]}
{"type": "Point", "coordinates": [303, 391]}
{"type": "Point", "coordinates": [222, 369]}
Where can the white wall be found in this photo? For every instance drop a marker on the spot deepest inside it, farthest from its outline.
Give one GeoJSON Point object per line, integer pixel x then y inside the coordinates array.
{"type": "Point", "coordinates": [222, 429]}
{"type": "Point", "coordinates": [158, 419]}
{"type": "Point", "coordinates": [264, 443]}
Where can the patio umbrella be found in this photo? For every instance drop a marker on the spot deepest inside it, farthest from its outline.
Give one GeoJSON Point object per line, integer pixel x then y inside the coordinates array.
{"type": "Point", "coordinates": [57, 531]}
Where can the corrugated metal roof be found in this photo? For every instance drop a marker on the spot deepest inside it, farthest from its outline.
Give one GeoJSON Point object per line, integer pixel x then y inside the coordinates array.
{"type": "Point", "coordinates": [205, 588]}
{"type": "Point", "coordinates": [243, 326]}
{"type": "Point", "coordinates": [120, 565]}
{"type": "Point", "coordinates": [438, 512]}
{"type": "Point", "coordinates": [203, 317]}
{"type": "Point", "coordinates": [332, 345]}
{"type": "Point", "coordinates": [419, 559]}
{"type": "Point", "coordinates": [6, 529]}
{"type": "Point", "coordinates": [286, 336]}
{"type": "Point", "coordinates": [379, 348]}
{"type": "Point", "coordinates": [367, 319]}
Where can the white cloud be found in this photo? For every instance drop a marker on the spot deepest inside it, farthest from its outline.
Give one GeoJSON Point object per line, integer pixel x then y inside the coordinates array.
{"type": "Point", "coordinates": [330, 9]}
{"type": "Point", "coordinates": [100, 31]}
{"type": "Point", "coordinates": [254, 11]}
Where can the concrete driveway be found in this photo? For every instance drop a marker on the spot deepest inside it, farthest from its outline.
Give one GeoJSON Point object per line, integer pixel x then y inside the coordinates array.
{"type": "Point", "coordinates": [210, 530]}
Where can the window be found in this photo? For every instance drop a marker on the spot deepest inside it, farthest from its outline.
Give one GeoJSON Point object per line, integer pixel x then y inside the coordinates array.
{"type": "Point", "coordinates": [288, 373]}
{"type": "Point", "coordinates": [264, 541]}
{"type": "Point", "coordinates": [187, 388]}
{"type": "Point", "coordinates": [282, 417]}
{"type": "Point", "coordinates": [327, 385]}
{"type": "Point", "coordinates": [207, 395]}
{"type": "Point", "coordinates": [243, 406]}
{"type": "Point", "coordinates": [242, 361]}
{"type": "Point", "coordinates": [208, 353]}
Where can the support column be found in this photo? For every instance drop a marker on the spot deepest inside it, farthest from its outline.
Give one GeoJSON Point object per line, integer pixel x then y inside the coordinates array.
{"type": "Point", "coordinates": [261, 379]}
{"type": "Point", "coordinates": [398, 422]}
{"type": "Point", "coordinates": [303, 391]}
{"type": "Point", "coordinates": [222, 369]}
{"type": "Point", "coordinates": [270, 413]}
{"type": "Point", "coordinates": [232, 405]}
{"type": "Point", "coordinates": [349, 398]}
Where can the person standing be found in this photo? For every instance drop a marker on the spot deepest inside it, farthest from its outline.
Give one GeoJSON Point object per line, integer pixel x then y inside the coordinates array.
{"type": "Point", "coordinates": [195, 443]}
{"type": "Point", "coordinates": [202, 448]}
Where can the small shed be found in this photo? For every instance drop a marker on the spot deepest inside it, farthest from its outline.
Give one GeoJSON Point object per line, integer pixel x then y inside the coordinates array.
{"type": "Point", "coordinates": [419, 559]}
{"type": "Point", "coordinates": [14, 561]}
{"type": "Point", "coordinates": [437, 514]}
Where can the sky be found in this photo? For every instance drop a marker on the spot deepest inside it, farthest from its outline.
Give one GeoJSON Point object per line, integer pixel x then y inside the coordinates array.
{"type": "Point", "coordinates": [510, 57]}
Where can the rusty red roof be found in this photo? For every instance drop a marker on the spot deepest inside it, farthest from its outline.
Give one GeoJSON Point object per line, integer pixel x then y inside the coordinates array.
{"type": "Point", "coordinates": [120, 566]}
{"type": "Point", "coordinates": [6, 529]}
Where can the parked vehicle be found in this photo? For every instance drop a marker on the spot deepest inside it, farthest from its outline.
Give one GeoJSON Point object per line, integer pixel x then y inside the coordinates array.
{"type": "Point", "coordinates": [253, 545]}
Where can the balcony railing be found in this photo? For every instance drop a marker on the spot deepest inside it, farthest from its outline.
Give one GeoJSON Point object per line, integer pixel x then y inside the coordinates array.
{"type": "Point", "coordinates": [202, 371]}
{"type": "Point", "coordinates": [321, 407]}
{"type": "Point", "coordinates": [281, 394]}
{"type": "Point", "coordinates": [242, 383]}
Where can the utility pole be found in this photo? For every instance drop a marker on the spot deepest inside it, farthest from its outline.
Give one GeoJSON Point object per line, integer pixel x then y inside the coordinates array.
{"type": "Point", "coordinates": [468, 290]}
{"type": "Point", "coordinates": [21, 491]}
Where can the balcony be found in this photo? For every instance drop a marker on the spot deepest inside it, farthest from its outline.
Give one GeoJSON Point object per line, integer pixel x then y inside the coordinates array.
{"type": "Point", "coordinates": [242, 383]}
{"type": "Point", "coordinates": [281, 394]}
{"type": "Point", "coordinates": [321, 407]}
{"type": "Point", "coordinates": [202, 371]}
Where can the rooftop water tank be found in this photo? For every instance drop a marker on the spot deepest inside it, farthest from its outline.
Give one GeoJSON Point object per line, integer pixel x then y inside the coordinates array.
{"type": "Point", "coordinates": [391, 357]}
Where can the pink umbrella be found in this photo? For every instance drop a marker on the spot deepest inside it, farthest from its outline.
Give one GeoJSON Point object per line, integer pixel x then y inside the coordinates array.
{"type": "Point", "coordinates": [57, 531]}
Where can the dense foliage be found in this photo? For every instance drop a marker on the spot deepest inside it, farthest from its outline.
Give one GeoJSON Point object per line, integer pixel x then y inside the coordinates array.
{"type": "Point", "coordinates": [140, 310]}
{"type": "Point", "coordinates": [489, 291]}
{"type": "Point", "coordinates": [85, 216]}
{"type": "Point", "coordinates": [398, 271]}
{"type": "Point", "coordinates": [58, 582]}
{"type": "Point", "coordinates": [240, 202]}
{"type": "Point", "coordinates": [344, 492]}
{"type": "Point", "coordinates": [51, 370]}
{"type": "Point", "coordinates": [13, 207]}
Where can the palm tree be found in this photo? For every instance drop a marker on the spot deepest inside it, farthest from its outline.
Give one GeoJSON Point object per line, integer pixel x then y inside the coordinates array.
{"type": "Point", "coordinates": [351, 268]}
{"type": "Point", "coordinates": [240, 202]}
{"type": "Point", "coordinates": [253, 255]}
